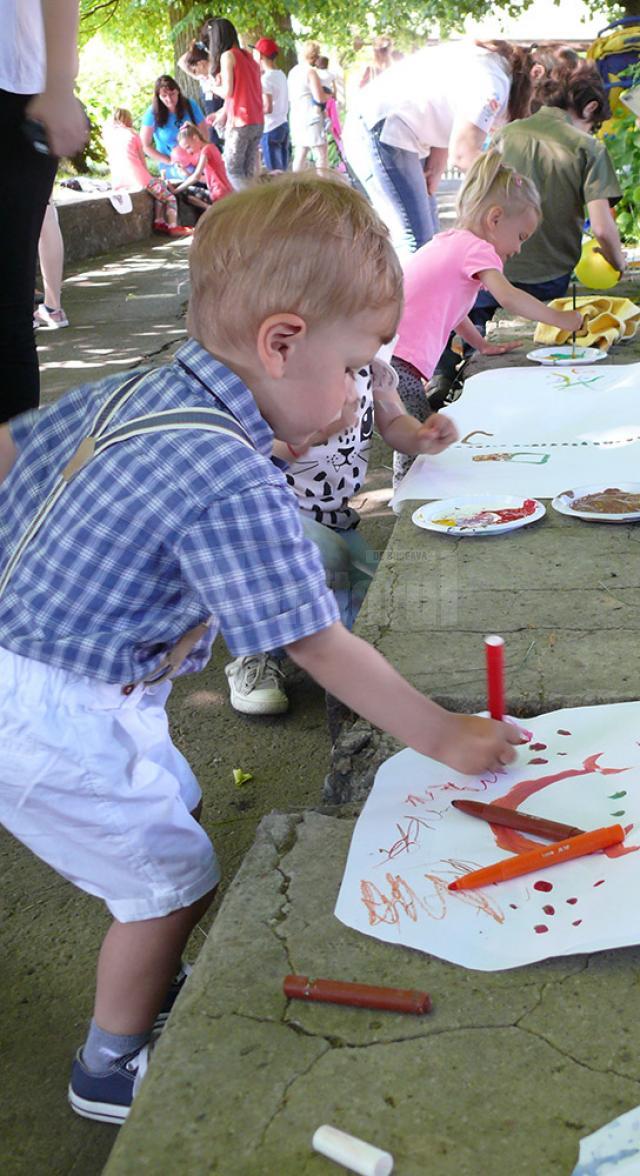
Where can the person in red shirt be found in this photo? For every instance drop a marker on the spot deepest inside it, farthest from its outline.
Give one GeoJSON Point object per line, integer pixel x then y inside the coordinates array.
{"type": "Point", "coordinates": [241, 88]}
{"type": "Point", "coordinates": [209, 164]}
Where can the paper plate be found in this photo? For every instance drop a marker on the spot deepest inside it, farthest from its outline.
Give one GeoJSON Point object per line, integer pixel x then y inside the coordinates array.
{"type": "Point", "coordinates": [562, 503]}
{"type": "Point", "coordinates": [476, 514]}
{"type": "Point", "coordinates": [561, 356]}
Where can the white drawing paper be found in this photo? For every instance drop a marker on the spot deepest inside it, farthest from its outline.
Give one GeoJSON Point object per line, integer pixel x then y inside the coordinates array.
{"type": "Point", "coordinates": [613, 1150]}
{"type": "Point", "coordinates": [536, 432]}
{"type": "Point", "coordinates": [581, 767]}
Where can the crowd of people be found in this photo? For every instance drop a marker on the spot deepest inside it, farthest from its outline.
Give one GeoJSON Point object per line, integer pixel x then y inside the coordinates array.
{"type": "Point", "coordinates": [139, 517]}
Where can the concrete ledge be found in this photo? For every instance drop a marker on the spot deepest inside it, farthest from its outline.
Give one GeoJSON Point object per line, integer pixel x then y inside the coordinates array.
{"type": "Point", "coordinates": [90, 224]}
{"type": "Point", "coordinates": [242, 1077]}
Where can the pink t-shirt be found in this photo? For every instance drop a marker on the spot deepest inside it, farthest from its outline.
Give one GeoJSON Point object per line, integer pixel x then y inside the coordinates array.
{"type": "Point", "coordinates": [215, 173]}
{"type": "Point", "coordinates": [126, 157]}
{"type": "Point", "coordinates": [440, 287]}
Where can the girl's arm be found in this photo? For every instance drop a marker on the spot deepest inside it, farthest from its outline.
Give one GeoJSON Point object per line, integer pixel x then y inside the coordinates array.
{"type": "Point", "coordinates": [188, 69]}
{"type": "Point", "coordinates": [227, 70]}
{"type": "Point", "coordinates": [193, 178]}
{"type": "Point", "coordinates": [406, 434]}
{"type": "Point", "coordinates": [471, 335]}
{"type": "Point", "coordinates": [519, 302]}
{"type": "Point", "coordinates": [606, 232]}
{"type": "Point", "coordinates": [146, 136]}
{"type": "Point", "coordinates": [465, 145]}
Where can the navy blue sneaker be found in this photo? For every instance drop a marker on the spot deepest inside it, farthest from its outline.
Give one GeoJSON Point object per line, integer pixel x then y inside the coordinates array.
{"type": "Point", "coordinates": [171, 997]}
{"type": "Point", "coordinates": [107, 1097]}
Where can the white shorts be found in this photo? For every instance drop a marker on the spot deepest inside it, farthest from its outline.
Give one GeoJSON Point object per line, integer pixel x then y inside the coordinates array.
{"type": "Point", "coordinates": [91, 782]}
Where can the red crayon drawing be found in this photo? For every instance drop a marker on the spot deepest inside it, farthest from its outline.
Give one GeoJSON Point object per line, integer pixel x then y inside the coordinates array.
{"type": "Point", "coordinates": [515, 842]}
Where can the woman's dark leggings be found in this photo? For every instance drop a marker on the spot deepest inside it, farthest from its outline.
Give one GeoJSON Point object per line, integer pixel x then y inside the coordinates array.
{"type": "Point", "coordinates": [26, 185]}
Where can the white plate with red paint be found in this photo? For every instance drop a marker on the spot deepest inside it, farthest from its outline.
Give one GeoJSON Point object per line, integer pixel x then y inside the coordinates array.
{"type": "Point", "coordinates": [494, 514]}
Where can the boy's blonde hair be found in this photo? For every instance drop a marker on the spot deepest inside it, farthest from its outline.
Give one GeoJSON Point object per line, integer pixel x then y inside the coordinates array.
{"type": "Point", "coordinates": [490, 182]}
{"type": "Point", "coordinates": [123, 116]}
{"type": "Point", "coordinates": [299, 244]}
{"type": "Point", "coordinates": [189, 130]}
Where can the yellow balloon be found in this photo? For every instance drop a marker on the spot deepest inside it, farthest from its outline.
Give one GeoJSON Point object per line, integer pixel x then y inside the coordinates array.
{"type": "Point", "coordinates": [593, 270]}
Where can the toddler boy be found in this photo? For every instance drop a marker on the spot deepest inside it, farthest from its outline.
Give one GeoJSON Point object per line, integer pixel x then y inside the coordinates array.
{"type": "Point", "coordinates": [138, 518]}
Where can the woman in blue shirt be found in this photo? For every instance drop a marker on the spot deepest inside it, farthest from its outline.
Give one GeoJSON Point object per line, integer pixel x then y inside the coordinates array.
{"type": "Point", "coordinates": [163, 119]}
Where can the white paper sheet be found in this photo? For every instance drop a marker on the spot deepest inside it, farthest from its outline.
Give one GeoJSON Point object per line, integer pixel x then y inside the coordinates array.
{"type": "Point", "coordinates": [614, 1150]}
{"type": "Point", "coordinates": [582, 767]}
{"type": "Point", "coordinates": [536, 431]}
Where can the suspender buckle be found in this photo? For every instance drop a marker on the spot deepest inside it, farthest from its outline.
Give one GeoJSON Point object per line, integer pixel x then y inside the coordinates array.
{"type": "Point", "coordinates": [80, 459]}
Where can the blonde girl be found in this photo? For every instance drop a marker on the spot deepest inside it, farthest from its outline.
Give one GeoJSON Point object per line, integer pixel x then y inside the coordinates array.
{"type": "Point", "coordinates": [194, 151]}
{"type": "Point", "coordinates": [498, 210]}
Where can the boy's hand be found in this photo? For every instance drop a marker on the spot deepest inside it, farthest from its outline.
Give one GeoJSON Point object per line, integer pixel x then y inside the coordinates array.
{"type": "Point", "coordinates": [473, 745]}
{"type": "Point", "coordinates": [499, 348]}
{"type": "Point", "coordinates": [436, 434]}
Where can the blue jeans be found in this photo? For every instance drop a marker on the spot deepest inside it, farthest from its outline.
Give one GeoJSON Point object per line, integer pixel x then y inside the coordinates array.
{"type": "Point", "coordinates": [484, 309]}
{"type": "Point", "coordinates": [396, 186]}
{"type": "Point", "coordinates": [275, 148]}
{"type": "Point", "coordinates": [349, 564]}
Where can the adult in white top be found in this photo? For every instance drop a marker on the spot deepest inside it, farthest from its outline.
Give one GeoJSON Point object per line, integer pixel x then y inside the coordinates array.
{"type": "Point", "coordinates": [444, 100]}
{"type": "Point", "coordinates": [274, 144]}
{"type": "Point", "coordinates": [306, 102]}
{"type": "Point", "coordinates": [38, 65]}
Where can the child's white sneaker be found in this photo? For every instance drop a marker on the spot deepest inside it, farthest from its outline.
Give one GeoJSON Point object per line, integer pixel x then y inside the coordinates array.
{"type": "Point", "coordinates": [255, 685]}
{"type": "Point", "coordinates": [47, 316]}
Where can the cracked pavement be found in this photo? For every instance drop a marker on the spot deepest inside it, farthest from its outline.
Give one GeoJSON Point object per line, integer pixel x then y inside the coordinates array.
{"type": "Point", "coordinates": [505, 1075]}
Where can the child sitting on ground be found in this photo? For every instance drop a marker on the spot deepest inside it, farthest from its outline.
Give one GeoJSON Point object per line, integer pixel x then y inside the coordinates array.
{"type": "Point", "coordinates": [138, 518]}
{"type": "Point", "coordinates": [127, 164]}
{"type": "Point", "coordinates": [324, 477]}
{"type": "Point", "coordinates": [497, 211]}
{"type": "Point", "coordinates": [200, 158]}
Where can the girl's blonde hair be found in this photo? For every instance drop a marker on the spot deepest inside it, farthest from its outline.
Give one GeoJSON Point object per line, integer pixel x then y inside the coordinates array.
{"type": "Point", "coordinates": [491, 182]}
{"type": "Point", "coordinates": [122, 116]}
{"type": "Point", "coordinates": [189, 130]}
{"type": "Point", "coordinates": [311, 52]}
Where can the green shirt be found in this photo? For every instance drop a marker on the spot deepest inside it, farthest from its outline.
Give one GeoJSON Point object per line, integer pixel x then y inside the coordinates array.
{"type": "Point", "coordinates": [569, 168]}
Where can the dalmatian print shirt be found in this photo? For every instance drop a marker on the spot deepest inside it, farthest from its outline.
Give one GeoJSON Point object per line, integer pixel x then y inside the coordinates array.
{"type": "Point", "coordinates": [327, 476]}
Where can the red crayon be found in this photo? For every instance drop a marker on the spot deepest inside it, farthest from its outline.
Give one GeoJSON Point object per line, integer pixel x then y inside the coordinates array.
{"type": "Point", "coordinates": [363, 996]}
{"type": "Point", "coordinates": [494, 649]}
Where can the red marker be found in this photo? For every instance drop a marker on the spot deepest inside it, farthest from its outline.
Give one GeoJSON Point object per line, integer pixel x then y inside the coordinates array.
{"type": "Point", "coordinates": [364, 996]}
{"type": "Point", "coordinates": [494, 649]}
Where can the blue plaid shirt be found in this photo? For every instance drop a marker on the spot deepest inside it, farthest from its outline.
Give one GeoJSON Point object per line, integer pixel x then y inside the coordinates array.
{"type": "Point", "coordinates": [156, 534]}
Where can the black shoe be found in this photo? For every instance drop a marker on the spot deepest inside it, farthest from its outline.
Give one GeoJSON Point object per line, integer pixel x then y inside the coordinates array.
{"type": "Point", "coordinates": [443, 389]}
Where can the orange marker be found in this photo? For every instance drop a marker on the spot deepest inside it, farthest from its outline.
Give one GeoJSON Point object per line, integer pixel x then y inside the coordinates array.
{"type": "Point", "coordinates": [541, 859]}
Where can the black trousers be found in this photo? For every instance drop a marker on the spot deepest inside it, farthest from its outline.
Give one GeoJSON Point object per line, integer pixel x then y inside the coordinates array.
{"type": "Point", "coordinates": [27, 180]}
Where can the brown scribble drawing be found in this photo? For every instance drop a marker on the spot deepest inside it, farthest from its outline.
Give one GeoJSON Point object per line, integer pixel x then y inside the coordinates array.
{"type": "Point", "coordinates": [473, 898]}
{"type": "Point", "coordinates": [515, 842]}
{"type": "Point", "coordinates": [431, 794]}
{"type": "Point", "coordinates": [383, 908]}
{"type": "Point", "coordinates": [475, 433]}
{"type": "Point", "coordinates": [409, 836]}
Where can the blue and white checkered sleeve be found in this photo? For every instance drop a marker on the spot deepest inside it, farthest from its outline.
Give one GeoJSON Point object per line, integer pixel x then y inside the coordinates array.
{"type": "Point", "coordinates": [249, 562]}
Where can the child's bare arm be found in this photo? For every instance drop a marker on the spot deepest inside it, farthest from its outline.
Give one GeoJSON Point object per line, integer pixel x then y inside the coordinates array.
{"type": "Point", "coordinates": [519, 302]}
{"type": "Point", "coordinates": [8, 451]}
{"type": "Point", "coordinates": [193, 178]}
{"type": "Point", "coordinates": [356, 673]}
{"type": "Point", "coordinates": [471, 335]}
{"type": "Point", "coordinates": [406, 434]}
{"type": "Point", "coordinates": [606, 233]}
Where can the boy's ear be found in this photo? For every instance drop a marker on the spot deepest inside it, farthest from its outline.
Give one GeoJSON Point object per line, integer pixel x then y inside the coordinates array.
{"type": "Point", "coordinates": [278, 338]}
{"type": "Point", "coordinates": [589, 110]}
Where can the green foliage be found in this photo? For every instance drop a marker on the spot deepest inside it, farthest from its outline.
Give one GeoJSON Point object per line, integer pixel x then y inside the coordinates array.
{"type": "Point", "coordinates": [113, 75]}
{"type": "Point", "coordinates": [623, 144]}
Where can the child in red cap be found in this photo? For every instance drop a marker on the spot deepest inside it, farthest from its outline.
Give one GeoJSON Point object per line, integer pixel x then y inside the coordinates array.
{"type": "Point", "coordinates": [275, 101]}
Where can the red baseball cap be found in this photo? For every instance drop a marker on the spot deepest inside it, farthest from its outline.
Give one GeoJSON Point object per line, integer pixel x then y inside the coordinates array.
{"type": "Point", "coordinates": [266, 47]}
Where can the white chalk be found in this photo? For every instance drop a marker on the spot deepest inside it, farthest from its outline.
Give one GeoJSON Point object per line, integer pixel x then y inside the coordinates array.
{"type": "Point", "coordinates": [360, 1157]}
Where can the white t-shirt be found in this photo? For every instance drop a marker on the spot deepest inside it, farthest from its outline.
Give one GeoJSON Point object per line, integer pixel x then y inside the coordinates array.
{"type": "Point", "coordinates": [22, 49]}
{"type": "Point", "coordinates": [274, 83]}
{"type": "Point", "coordinates": [421, 97]}
{"type": "Point", "coordinates": [327, 78]}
